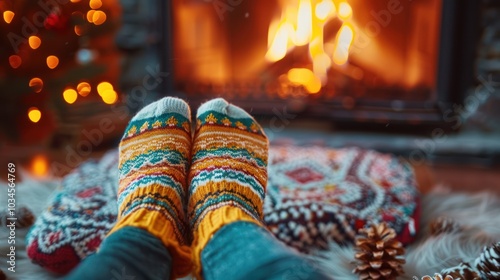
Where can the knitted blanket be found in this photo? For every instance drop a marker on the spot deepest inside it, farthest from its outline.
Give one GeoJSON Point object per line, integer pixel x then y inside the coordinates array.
{"type": "Point", "coordinates": [315, 197]}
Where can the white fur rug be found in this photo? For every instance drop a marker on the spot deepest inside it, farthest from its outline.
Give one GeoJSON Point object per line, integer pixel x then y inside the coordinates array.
{"type": "Point", "coordinates": [480, 213]}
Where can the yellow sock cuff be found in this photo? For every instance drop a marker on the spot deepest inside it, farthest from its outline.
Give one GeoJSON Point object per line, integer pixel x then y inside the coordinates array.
{"type": "Point", "coordinates": [210, 224]}
{"type": "Point", "coordinates": [162, 228]}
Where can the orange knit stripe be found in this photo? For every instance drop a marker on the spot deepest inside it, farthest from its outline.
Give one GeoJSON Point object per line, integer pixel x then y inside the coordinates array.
{"type": "Point", "coordinates": [178, 174]}
{"type": "Point", "coordinates": [160, 190]}
{"type": "Point", "coordinates": [164, 229]}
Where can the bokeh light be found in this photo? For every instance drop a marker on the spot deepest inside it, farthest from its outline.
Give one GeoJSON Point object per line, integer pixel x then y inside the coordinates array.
{"type": "Point", "coordinates": [15, 61]}
{"type": "Point", "coordinates": [95, 4]}
{"type": "Point", "coordinates": [34, 42]}
{"type": "Point", "coordinates": [109, 96]}
{"type": "Point", "coordinates": [39, 165]}
{"type": "Point", "coordinates": [52, 61]}
{"type": "Point", "coordinates": [36, 84]}
{"type": "Point", "coordinates": [104, 86]}
{"type": "Point", "coordinates": [99, 17]}
{"type": "Point", "coordinates": [34, 114]}
{"type": "Point", "coordinates": [90, 15]}
{"type": "Point", "coordinates": [70, 95]}
{"type": "Point", "coordinates": [8, 16]}
{"type": "Point", "coordinates": [83, 88]}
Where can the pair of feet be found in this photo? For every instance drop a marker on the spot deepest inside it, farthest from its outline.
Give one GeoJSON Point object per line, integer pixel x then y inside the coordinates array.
{"type": "Point", "coordinates": [182, 187]}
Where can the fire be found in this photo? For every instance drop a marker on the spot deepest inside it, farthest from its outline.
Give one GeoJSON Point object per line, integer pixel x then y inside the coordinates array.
{"type": "Point", "coordinates": [298, 25]}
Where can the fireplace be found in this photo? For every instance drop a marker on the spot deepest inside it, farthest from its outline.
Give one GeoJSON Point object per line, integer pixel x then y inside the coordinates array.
{"type": "Point", "coordinates": [347, 61]}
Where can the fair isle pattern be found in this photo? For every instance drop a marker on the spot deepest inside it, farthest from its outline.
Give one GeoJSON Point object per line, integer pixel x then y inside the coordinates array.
{"type": "Point", "coordinates": [154, 158]}
{"type": "Point", "coordinates": [229, 164]}
{"type": "Point", "coordinates": [319, 195]}
{"type": "Point", "coordinates": [80, 215]}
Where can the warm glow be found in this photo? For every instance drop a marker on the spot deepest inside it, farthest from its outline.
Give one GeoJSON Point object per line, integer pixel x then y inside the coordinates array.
{"type": "Point", "coordinates": [70, 95]}
{"type": "Point", "coordinates": [39, 165]}
{"type": "Point", "coordinates": [34, 114]}
{"type": "Point", "coordinates": [344, 41]}
{"type": "Point", "coordinates": [109, 96]}
{"type": "Point", "coordinates": [345, 11]}
{"type": "Point", "coordinates": [279, 45]}
{"type": "Point", "coordinates": [15, 61]}
{"type": "Point", "coordinates": [34, 42]}
{"type": "Point", "coordinates": [103, 87]}
{"type": "Point", "coordinates": [298, 26]}
{"type": "Point", "coordinates": [8, 16]}
{"type": "Point", "coordinates": [99, 17]}
{"type": "Point", "coordinates": [36, 84]}
{"type": "Point", "coordinates": [75, 1]}
{"type": "Point", "coordinates": [304, 23]}
{"type": "Point", "coordinates": [95, 4]}
{"type": "Point", "coordinates": [324, 9]}
{"type": "Point", "coordinates": [90, 16]}
{"type": "Point", "coordinates": [83, 88]}
{"type": "Point", "coordinates": [78, 30]}
{"type": "Point", "coordinates": [52, 61]}
{"type": "Point", "coordinates": [306, 78]}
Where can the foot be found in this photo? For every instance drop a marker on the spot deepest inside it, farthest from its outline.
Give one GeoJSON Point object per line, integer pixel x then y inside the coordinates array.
{"type": "Point", "coordinates": [154, 159]}
{"type": "Point", "coordinates": [228, 172]}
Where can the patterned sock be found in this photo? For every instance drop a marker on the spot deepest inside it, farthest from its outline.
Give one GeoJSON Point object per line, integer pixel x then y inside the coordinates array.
{"type": "Point", "coordinates": [228, 172]}
{"type": "Point", "coordinates": [154, 158]}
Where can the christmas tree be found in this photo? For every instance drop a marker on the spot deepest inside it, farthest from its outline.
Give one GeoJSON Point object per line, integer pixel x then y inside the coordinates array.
{"type": "Point", "coordinates": [49, 62]}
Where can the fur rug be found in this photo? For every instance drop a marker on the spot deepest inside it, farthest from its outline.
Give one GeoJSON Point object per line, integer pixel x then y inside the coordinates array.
{"type": "Point", "coordinates": [479, 213]}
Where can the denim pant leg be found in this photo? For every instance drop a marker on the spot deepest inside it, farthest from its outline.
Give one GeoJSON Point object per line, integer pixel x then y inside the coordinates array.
{"type": "Point", "coordinates": [243, 250]}
{"type": "Point", "coordinates": [129, 253]}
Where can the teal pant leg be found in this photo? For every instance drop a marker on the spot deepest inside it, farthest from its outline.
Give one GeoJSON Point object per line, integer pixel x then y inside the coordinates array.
{"type": "Point", "coordinates": [245, 251]}
{"type": "Point", "coordinates": [129, 253]}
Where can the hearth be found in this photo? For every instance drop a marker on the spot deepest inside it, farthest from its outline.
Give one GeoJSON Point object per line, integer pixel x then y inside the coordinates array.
{"type": "Point", "coordinates": [386, 61]}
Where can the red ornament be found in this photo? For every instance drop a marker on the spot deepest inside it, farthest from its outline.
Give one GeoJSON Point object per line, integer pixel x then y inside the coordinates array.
{"type": "Point", "coordinates": [56, 21]}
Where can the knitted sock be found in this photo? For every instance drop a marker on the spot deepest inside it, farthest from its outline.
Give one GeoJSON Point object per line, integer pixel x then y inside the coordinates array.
{"type": "Point", "coordinates": [154, 157]}
{"type": "Point", "coordinates": [228, 172]}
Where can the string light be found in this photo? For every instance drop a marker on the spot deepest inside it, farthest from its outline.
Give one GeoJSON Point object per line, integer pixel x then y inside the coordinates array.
{"type": "Point", "coordinates": [34, 114]}
{"type": "Point", "coordinates": [52, 61]}
{"type": "Point", "coordinates": [99, 17]}
{"type": "Point", "coordinates": [83, 88]}
{"type": "Point", "coordinates": [90, 15]}
{"type": "Point", "coordinates": [39, 165]}
{"type": "Point", "coordinates": [103, 87]}
{"type": "Point", "coordinates": [8, 16]}
{"type": "Point", "coordinates": [109, 96]}
{"type": "Point", "coordinates": [95, 4]}
{"type": "Point", "coordinates": [15, 61]}
{"type": "Point", "coordinates": [70, 95]}
{"type": "Point", "coordinates": [36, 84]}
{"type": "Point", "coordinates": [34, 42]}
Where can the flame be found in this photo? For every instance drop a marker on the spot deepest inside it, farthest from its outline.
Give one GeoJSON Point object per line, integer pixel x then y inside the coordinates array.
{"type": "Point", "coordinates": [344, 41]}
{"type": "Point", "coordinates": [304, 23]}
{"type": "Point", "coordinates": [298, 25]}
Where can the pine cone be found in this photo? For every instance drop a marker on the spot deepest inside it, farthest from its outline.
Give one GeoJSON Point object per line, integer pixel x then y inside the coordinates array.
{"type": "Point", "coordinates": [437, 276]}
{"type": "Point", "coordinates": [379, 253]}
{"type": "Point", "coordinates": [488, 263]}
{"type": "Point", "coordinates": [444, 225]}
{"type": "Point", "coordinates": [461, 271]}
